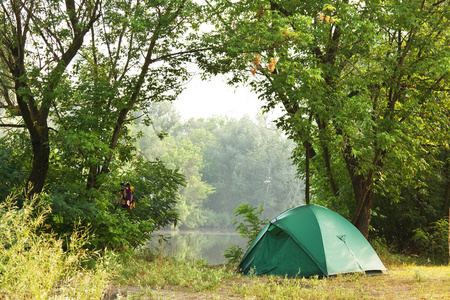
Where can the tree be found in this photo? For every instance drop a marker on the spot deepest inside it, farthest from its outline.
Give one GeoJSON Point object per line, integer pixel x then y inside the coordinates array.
{"type": "Point", "coordinates": [226, 162]}
{"type": "Point", "coordinates": [146, 46]}
{"type": "Point", "coordinates": [179, 147]}
{"type": "Point", "coordinates": [359, 82]}
{"type": "Point", "coordinates": [39, 39]}
{"type": "Point", "coordinates": [249, 163]}
{"type": "Point", "coordinates": [137, 55]}
{"type": "Point", "coordinates": [91, 93]}
{"type": "Point", "coordinates": [189, 158]}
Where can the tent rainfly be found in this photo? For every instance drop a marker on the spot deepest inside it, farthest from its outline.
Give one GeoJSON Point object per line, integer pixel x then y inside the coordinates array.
{"type": "Point", "coordinates": [310, 240]}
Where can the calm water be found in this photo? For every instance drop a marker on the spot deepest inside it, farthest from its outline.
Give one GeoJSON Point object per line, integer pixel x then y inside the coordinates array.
{"type": "Point", "coordinates": [197, 244]}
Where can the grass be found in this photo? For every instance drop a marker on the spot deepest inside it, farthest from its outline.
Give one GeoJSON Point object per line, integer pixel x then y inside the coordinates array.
{"type": "Point", "coordinates": [145, 276]}
{"type": "Point", "coordinates": [34, 265]}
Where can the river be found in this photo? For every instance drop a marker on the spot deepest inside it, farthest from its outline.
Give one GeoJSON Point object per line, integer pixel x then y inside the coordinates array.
{"type": "Point", "coordinates": [208, 245]}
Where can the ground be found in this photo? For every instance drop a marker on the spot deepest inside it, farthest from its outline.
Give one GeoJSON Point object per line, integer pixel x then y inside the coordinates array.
{"type": "Point", "coordinates": [408, 282]}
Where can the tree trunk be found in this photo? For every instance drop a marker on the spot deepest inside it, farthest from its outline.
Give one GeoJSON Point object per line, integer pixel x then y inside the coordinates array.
{"type": "Point", "coordinates": [41, 154]}
{"type": "Point", "coordinates": [362, 191]}
{"type": "Point", "coordinates": [36, 122]}
{"type": "Point", "coordinates": [445, 205]}
{"type": "Point", "coordinates": [307, 154]}
{"type": "Point", "coordinates": [362, 221]}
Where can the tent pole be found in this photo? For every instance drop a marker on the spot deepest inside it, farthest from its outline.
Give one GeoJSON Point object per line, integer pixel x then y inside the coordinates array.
{"type": "Point", "coordinates": [342, 238]}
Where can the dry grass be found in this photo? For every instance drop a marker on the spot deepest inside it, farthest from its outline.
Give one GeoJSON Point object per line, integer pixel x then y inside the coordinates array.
{"type": "Point", "coordinates": [404, 281]}
{"type": "Point", "coordinates": [34, 265]}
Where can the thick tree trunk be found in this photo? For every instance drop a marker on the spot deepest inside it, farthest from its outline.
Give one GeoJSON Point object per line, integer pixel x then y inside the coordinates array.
{"type": "Point", "coordinates": [362, 190]}
{"type": "Point", "coordinates": [362, 221]}
{"type": "Point", "coordinates": [41, 155]}
{"type": "Point", "coordinates": [364, 200]}
{"type": "Point", "coordinates": [36, 122]}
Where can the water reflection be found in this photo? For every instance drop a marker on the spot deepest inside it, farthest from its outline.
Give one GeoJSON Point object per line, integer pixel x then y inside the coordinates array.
{"type": "Point", "coordinates": [197, 244]}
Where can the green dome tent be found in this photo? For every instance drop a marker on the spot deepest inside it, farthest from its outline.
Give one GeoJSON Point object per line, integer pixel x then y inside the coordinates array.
{"type": "Point", "coordinates": [310, 240]}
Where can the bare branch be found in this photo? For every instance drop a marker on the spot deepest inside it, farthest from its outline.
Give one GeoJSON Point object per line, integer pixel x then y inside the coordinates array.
{"type": "Point", "coordinates": [13, 125]}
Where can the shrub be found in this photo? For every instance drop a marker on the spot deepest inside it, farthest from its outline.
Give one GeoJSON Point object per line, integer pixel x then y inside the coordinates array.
{"type": "Point", "coordinates": [433, 241]}
{"type": "Point", "coordinates": [35, 265]}
{"type": "Point", "coordinates": [248, 228]}
{"type": "Point", "coordinates": [112, 227]}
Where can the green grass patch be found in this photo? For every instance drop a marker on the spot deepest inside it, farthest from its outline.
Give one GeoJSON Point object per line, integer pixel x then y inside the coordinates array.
{"type": "Point", "coordinates": [155, 271]}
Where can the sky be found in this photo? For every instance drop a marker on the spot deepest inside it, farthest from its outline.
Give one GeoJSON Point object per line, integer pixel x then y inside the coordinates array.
{"type": "Point", "coordinates": [204, 99]}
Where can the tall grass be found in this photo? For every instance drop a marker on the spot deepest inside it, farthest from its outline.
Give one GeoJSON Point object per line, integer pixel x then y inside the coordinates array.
{"type": "Point", "coordinates": [156, 271]}
{"type": "Point", "coordinates": [38, 265]}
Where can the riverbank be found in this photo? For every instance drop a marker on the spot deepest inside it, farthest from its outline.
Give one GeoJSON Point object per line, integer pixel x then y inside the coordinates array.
{"type": "Point", "coordinates": [165, 278]}
{"type": "Point", "coordinates": [194, 244]}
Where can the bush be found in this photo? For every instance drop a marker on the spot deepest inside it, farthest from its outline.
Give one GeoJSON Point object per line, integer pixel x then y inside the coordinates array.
{"type": "Point", "coordinates": [34, 264]}
{"type": "Point", "coordinates": [112, 227]}
{"type": "Point", "coordinates": [433, 241]}
{"type": "Point", "coordinates": [248, 228]}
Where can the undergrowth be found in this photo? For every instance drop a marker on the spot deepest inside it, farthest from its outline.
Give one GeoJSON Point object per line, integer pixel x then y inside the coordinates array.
{"type": "Point", "coordinates": [147, 270]}
{"type": "Point", "coordinates": [38, 265]}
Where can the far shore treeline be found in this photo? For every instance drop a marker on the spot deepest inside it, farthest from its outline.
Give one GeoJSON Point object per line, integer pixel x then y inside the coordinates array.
{"type": "Point", "coordinates": [85, 93]}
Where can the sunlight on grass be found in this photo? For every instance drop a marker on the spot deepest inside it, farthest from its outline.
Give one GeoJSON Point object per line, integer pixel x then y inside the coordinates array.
{"type": "Point", "coordinates": [147, 270]}
{"type": "Point", "coordinates": [37, 265]}
{"type": "Point", "coordinates": [33, 265]}
{"type": "Point", "coordinates": [171, 278]}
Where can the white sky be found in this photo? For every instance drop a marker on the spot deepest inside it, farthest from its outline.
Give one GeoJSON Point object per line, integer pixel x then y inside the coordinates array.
{"type": "Point", "coordinates": [204, 99]}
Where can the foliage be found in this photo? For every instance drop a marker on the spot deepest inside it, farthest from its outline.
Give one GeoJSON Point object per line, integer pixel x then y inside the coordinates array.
{"type": "Point", "coordinates": [36, 265]}
{"type": "Point", "coordinates": [248, 228]}
{"type": "Point", "coordinates": [157, 189]}
{"type": "Point", "coordinates": [251, 224]}
{"type": "Point", "coordinates": [156, 195]}
{"type": "Point", "coordinates": [13, 165]}
{"type": "Point", "coordinates": [226, 162]}
{"type": "Point", "coordinates": [433, 241]}
{"type": "Point", "coordinates": [187, 156]}
{"type": "Point", "coordinates": [234, 254]}
{"type": "Point", "coordinates": [35, 61]}
{"type": "Point", "coordinates": [360, 83]}
{"type": "Point", "coordinates": [91, 91]}
{"type": "Point", "coordinates": [409, 203]}
{"type": "Point", "coordinates": [249, 162]}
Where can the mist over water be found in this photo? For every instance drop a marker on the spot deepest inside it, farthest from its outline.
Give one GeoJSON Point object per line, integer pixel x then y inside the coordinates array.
{"type": "Point", "coordinates": [207, 245]}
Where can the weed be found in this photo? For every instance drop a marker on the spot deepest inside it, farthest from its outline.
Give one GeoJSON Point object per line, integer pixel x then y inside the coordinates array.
{"type": "Point", "coordinates": [419, 276]}
{"type": "Point", "coordinates": [159, 271]}
{"type": "Point", "coordinates": [34, 265]}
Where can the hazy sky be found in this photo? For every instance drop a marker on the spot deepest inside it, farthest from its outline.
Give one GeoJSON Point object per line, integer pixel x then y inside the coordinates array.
{"type": "Point", "coordinates": [203, 99]}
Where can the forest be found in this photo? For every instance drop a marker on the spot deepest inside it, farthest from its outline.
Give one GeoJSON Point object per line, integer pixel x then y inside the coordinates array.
{"type": "Point", "coordinates": [85, 105]}
{"type": "Point", "coordinates": [225, 162]}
